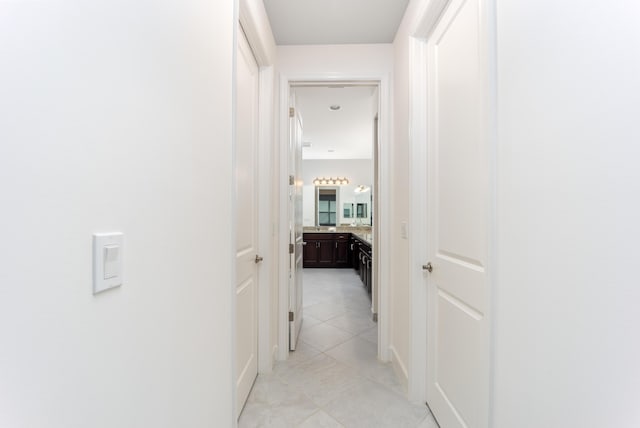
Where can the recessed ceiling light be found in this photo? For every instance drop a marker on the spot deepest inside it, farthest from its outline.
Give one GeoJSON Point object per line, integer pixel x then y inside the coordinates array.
{"type": "Point", "coordinates": [334, 107]}
{"type": "Point", "coordinates": [331, 150]}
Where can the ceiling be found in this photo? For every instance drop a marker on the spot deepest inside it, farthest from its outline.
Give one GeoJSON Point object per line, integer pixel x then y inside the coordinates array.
{"type": "Point", "coordinates": [313, 22]}
{"type": "Point", "coordinates": [343, 134]}
{"type": "Point", "coordinates": [348, 132]}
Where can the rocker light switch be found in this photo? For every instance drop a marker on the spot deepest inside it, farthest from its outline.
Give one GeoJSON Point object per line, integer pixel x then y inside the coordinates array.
{"type": "Point", "coordinates": [111, 258]}
{"type": "Point", "coordinates": [107, 261]}
{"type": "Point", "coordinates": [404, 233]}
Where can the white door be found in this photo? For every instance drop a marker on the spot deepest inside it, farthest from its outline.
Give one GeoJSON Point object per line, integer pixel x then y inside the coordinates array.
{"type": "Point", "coordinates": [458, 219]}
{"type": "Point", "coordinates": [295, 225]}
{"type": "Point", "coordinates": [247, 220]}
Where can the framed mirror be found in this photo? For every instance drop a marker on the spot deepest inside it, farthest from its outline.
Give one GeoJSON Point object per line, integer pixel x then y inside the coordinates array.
{"type": "Point", "coordinates": [361, 210]}
{"type": "Point", "coordinates": [327, 206]}
{"type": "Point", "coordinates": [347, 210]}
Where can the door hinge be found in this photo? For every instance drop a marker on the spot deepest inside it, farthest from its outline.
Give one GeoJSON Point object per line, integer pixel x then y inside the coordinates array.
{"type": "Point", "coordinates": [292, 112]}
{"type": "Point", "coordinates": [291, 249]}
{"type": "Point", "coordinates": [290, 316]}
{"type": "Point", "coordinates": [292, 180]}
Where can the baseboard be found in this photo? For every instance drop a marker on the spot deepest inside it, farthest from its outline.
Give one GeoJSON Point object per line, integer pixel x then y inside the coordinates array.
{"type": "Point", "coordinates": [399, 367]}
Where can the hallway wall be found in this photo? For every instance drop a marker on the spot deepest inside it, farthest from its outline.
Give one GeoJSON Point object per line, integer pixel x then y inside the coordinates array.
{"type": "Point", "coordinates": [401, 296]}
{"type": "Point", "coordinates": [358, 171]}
{"type": "Point", "coordinates": [336, 61]}
{"type": "Point", "coordinates": [566, 299]}
{"type": "Point", "coordinates": [116, 116]}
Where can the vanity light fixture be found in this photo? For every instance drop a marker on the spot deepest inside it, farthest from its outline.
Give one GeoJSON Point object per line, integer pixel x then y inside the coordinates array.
{"type": "Point", "coordinates": [338, 181]}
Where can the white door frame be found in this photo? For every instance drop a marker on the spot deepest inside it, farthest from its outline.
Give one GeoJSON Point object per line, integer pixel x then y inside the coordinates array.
{"type": "Point", "coordinates": [383, 186]}
{"type": "Point", "coordinates": [252, 23]}
{"type": "Point", "coordinates": [426, 20]}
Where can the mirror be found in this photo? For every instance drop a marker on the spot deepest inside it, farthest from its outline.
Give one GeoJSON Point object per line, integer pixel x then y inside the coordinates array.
{"type": "Point", "coordinates": [361, 210]}
{"type": "Point", "coordinates": [327, 206]}
{"type": "Point", "coordinates": [349, 208]}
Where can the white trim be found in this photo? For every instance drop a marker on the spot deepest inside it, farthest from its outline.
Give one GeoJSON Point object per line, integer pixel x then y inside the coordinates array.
{"type": "Point", "coordinates": [417, 385]}
{"type": "Point", "coordinates": [232, 203]}
{"type": "Point", "coordinates": [491, 53]}
{"type": "Point", "coordinates": [283, 226]}
{"type": "Point", "coordinates": [399, 368]}
{"type": "Point", "coordinates": [253, 17]}
{"type": "Point", "coordinates": [426, 20]}
{"type": "Point", "coordinates": [255, 24]}
{"type": "Point", "coordinates": [265, 144]}
{"type": "Point", "coordinates": [383, 234]}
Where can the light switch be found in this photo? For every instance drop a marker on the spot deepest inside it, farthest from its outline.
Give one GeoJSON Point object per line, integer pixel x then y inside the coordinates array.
{"type": "Point", "coordinates": [404, 233]}
{"type": "Point", "coordinates": [110, 261]}
{"type": "Point", "coordinates": [107, 261]}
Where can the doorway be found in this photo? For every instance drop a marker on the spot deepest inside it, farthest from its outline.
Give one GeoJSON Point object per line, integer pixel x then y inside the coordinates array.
{"type": "Point", "coordinates": [339, 179]}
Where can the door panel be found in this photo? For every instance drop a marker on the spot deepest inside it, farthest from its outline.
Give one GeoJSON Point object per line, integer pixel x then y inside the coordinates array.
{"type": "Point", "coordinates": [247, 221]}
{"type": "Point", "coordinates": [295, 232]}
{"type": "Point", "coordinates": [341, 252]}
{"type": "Point", "coordinates": [457, 225]}
{"type": "Point", "coordinates": [325, 252]}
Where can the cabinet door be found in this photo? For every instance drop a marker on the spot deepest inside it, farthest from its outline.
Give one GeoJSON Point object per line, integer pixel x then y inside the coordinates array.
{"type": "Point", "coordinates": [342, 252]}
{"type": "Point", "coordinates": [325, 252]}
{"type": "Point", "coordinates": [310, 253]}
{"type": "Point", "coordinates": [362, 262]}
{"type": "Point", "coordinates": [355, 252]}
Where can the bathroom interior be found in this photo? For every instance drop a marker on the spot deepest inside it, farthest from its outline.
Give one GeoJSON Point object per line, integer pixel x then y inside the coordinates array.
{"type": "Point", "coordinates": [339, 174]}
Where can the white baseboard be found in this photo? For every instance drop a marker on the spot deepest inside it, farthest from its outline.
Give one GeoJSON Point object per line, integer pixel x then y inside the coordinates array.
{"type": "Point", "coordinates": [399, 367]}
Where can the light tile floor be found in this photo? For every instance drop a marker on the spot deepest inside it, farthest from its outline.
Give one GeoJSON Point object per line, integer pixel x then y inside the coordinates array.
{"type": "Point", "coordinates": [333, 379]}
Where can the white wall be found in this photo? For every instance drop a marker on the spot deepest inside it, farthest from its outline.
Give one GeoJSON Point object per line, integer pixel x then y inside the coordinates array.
{"type": "Point", "coordinates": [335, 62]}
{"type": "Point", "coordinates": [566, 300]}
{"type": "Point", "coordinates": [116, 116]}
{"type": "Point", "coordinates": [358, 171]}
{"type": "Point", "coordinates": [400, 292]}
{"type": "Point", "coordinates": [363, 59]}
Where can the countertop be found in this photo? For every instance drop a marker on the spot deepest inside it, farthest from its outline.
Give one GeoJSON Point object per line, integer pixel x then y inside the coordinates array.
{"type": "Point", "coordinates": [362, 233]}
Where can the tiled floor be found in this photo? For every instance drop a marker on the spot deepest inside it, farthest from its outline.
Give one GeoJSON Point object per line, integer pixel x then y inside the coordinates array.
{"type": "Point", "coordinates": [333, 379]}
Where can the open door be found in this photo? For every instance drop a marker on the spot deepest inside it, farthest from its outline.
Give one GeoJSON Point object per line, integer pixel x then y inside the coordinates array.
{"type": "Point", "coordinates": [458, 218]}
{"type": "Point", "coordinates": [295, 224]}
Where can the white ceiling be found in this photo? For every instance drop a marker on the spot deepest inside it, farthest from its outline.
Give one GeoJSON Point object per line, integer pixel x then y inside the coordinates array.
{"type": "Point", "coordinates": [313, 22]}
{"type": "Point", "coordinates": [343, 134]}
{"type": "Point", "coordinates": [348, 133]}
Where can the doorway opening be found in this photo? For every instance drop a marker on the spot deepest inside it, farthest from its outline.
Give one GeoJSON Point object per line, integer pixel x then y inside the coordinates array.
{"type": "Point", "coordinates": [337, 174]}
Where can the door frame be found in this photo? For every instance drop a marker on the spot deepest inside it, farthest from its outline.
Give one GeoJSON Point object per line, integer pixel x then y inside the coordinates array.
{"type": "Point", "coordinates": [383, 236]}
{"type": "Point", "coordinates": [426, 19]}
{"type": "Point", "coordinates": [252, 19]}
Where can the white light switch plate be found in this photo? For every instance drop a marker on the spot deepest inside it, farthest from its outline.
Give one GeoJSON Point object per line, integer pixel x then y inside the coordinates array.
{"type": "Point", "coordinates": [107, 261]}
{"type": "Point", "coordinates": [404, 232]}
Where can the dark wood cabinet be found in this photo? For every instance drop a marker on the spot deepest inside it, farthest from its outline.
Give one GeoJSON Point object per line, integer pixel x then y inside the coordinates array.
{"type": "Point", "coordinates": [339, 250]}
{"type": "Point", "coordinates": [354, 252]}
{"type": "Point", "coordinates": [326, 250]}
{"type": "Point", "coordinates": [365, 264]}
{"type": "Point", "coordinates": [310, 251]}
{"type": "Point", "coordinates": [341, 255]}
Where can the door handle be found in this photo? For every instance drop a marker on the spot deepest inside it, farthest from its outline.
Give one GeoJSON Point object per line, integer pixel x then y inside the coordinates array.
{"type": "Point", "coordinates": [304, 243]}
{"type": "Point", "coordinates": [318, 244]}
{"type": "Point", "coordinates": [258, 259]}
{"type": "Point", "coordinates": [428, 267]}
